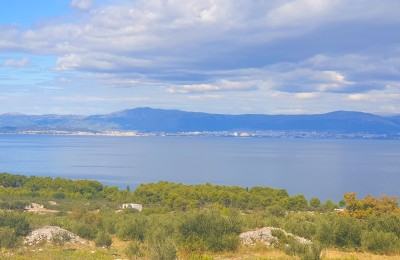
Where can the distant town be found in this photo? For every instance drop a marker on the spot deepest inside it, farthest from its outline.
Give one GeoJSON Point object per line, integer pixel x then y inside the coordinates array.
{"type": "Point", "coordinates": [239, 134]}
{"type": "Point", "coordinates": [161, 122]}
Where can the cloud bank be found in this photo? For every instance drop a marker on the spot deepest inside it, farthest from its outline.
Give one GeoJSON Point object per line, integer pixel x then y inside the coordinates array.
{"type": "Point", "coordinates": [220, 56]}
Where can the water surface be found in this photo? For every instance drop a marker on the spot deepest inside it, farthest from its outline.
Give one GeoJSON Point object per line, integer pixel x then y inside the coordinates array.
{"type": "Point", "coordinates": [316, 168]}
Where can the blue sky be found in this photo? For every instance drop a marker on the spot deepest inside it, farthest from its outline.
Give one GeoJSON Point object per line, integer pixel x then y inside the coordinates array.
{"type": "Point", "coordinates": [219, 56]}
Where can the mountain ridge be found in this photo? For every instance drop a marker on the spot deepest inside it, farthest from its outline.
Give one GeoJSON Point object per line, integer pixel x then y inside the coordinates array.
{"type": "Point", "coordinates": [155, 120]}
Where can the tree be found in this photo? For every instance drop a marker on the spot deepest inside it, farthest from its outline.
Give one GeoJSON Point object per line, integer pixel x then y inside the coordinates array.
{"type": "Point", "coordinates": [370, 205]}
{"type": "Point", "coordinates": [315, 203]}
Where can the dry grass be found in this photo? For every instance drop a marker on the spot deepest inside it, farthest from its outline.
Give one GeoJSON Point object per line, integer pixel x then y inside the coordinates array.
{"type": "Point", "coordinates": [260, 252]}
{"type": "Point", "coordinates": [90, 251]}
{"type": "Point", "coordinates": [339, 255]}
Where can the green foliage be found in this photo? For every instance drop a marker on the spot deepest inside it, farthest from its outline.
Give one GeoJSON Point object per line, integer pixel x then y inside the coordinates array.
{"type": "Point", "coordinates": [380, 242]}
{"type": "Point", "coordinates": [58, 188]}
{"type": "Point", "coordinates": [16, 221]}
{"type": "Point", "coordinates": [282, 239]}
{"type": "Point", "coordinates": [132, 228]}
{"type": "Point", "coordinates": [103, 239]}
{"type": "Point", "coordinates": [303, 225]}
{"type": "Point", "coordinates": [347, 231]}
{"type": "Point", "coordinates": [296, 203]}
{"type": "Point", "coordinates": [195, 219]}
{"type": "Point", "coordinates": [13, 205]}
{"type": "Point", "coordinates": [209, 231]}
{"type": "Point", "coordinates": [276, 210]}
{"type": "Point", "coordinates": [136, 250]}
{"type": "Point", "coordinates": [161, 243]}
{"type": "Point", "coordinates": [86, 231]}
{"type": "Point", "coordinates": [12, 180]}
{"type": "Point", "coordinates": [60, 238]}
{"type": "Point", "coordinates": [8, 238]}
{"type": "Point", "coordinates": [184, 197]}
{"type": "Point", "coordinates": [329, 205]}
{"type": "Point", "coordinates": [315, 203]}
{"type": "Point", "coordinates": [386, 223]}
{"type": "Point", "coordinates": [325, 233]}
{"type": "Point", "coordinates": [304, 251]}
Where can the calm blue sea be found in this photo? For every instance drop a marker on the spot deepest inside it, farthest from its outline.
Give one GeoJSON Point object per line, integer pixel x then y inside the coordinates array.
{"type": "Point", "coordinates": [316, 168]}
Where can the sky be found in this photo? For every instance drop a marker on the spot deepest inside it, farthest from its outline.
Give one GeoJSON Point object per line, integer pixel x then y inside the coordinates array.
{"type": "Point", "coordinates": [217, 56]}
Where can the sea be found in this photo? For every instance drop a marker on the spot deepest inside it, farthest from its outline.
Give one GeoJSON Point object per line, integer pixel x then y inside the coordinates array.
{"type": "Point", "coordinates": [326, 169]}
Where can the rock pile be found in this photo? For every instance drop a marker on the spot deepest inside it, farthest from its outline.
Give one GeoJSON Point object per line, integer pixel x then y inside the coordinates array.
{"type": "Point", "coordinates": [264, 235]}
{"type": "Point", "coordinates": [52, 234]}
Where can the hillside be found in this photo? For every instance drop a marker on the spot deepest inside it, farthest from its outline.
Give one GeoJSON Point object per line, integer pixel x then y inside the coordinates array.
{"type": "Point", "coordinates": [149, 120]}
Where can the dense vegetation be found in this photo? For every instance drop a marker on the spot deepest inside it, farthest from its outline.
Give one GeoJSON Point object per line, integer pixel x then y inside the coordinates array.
{"type": "Point", "coordinates": [194, 220]}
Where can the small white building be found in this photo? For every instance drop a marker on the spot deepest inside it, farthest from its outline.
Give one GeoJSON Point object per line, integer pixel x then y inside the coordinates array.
{"type": "Point", "coordinates": [138, 207]}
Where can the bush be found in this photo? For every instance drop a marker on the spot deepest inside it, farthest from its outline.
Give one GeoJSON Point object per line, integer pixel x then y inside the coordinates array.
{"type": "Point", "coordinates": [211, 230]}
{"type": "Point", "coordinates": [8, 238]}
{"type": "Point", "coordinates": [387, 223]}
{"type": "Point", "coordinates": [103, 239]}
{"type": "Point", "coordinates": [300, 224]}
{"type": "Point", "coordinates": [282, 239]}
{"type": "Point", "coordinates": [86, 231]}
{"type": "Point", "coordinates": [132, 229]}
{"type": "Point", "coordinates": [347, 231]}
{"type": "Point", "coordinates": [15, 221]}
{"type": "Point", "coordinates": [304, 251]}
{"type": "Point", "coordinates": [276, 210]}
{"type": "Point", "coordinates": [135, 250]}
{"type": "Point", "coordinates": [380, 242]}
{"type": "Point", "coordinates": [161, 245]}
{"type": "Point", "coordinates": [60, 238]}
{"type": "Point", "coordinates": [325, 233]}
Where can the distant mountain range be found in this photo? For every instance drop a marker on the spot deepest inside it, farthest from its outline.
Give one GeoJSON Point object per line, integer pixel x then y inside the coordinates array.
{"type": "Point", "coordinates": [149, 120]}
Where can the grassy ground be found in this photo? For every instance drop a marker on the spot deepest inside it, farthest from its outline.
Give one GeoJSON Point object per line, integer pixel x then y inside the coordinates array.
{"type": "Point", "coordinates": [48, 251]}
{"type": "Point", "coordinates": [273, 254]}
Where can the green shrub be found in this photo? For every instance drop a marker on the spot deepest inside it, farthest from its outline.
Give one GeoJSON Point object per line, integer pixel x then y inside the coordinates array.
{"type": "Point", "coordinates": [60, 238]}
{"type": "Point", "coordinates": [86, 231]}
{"type": "Point", "coordinates": [8, 238]}
{"type": "Point", "coordinates": [103, 239]}
{"type": "Point", "coordinates": [135, 250]}
{"type": "Point", "coordinates": [160, 241]}
{"type": "Point", "coordinates": [325, 233]}
{"type": "Point", "coordinates": [282, 239]}
{"type": "Point", "coordinates": [304, 251]}
{"type": "Point", "coordinates": [387, 223]}
{"type": "Point", "coordinates": [211, 229]}
{"type": "Point", "coordinates": [15, 221]}
{"type": "Point", "coordinates": [347, 231]}
{"type": "Point", "coordinates": [276, 210]}
{"type": "Point", "coordinates": [380, 242]}
{"type": "Point", "coordinates": [301, 224]}
{"type": "Point", "coordinates": [133, 228]}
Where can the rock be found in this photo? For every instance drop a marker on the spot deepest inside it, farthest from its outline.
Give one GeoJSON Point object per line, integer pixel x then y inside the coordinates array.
{"type": "Point", "coordinates": [264, 235]}
{"type": "Point", "coordinates": [49, 234]}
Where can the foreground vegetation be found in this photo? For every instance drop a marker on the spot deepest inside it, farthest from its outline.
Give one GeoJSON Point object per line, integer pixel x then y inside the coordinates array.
{"type": "Point", "coordinates": [190, 221]}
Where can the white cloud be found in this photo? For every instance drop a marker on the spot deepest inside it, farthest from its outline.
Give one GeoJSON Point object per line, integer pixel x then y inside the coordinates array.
{"type": "Point", "coordinates": [18, 63]}
{"type": "Point", "coordinates": [82, 4]}
{"type": "Point", "coordinates": [222, 85]}
{"type": "Point", "coordinates": [241, 51]}
{"type": "Point", "coordinates": [300, 12]}
{"type": "Point", "coordinates": [306, 95]}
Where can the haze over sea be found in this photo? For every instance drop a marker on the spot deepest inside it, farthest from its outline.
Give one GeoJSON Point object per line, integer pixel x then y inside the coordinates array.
{"type": "Point", "coordinates": [316, 168]}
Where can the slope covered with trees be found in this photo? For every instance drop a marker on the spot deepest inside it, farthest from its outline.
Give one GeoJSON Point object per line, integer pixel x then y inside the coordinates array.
{"type": "Point", "coordinates": [191, 221]}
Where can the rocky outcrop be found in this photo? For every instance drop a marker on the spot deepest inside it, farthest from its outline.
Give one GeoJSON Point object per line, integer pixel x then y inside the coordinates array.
{"type": "Point", "coordinates": [265, 235]}
{"type": "Point", "coordinates": [52, 234]}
